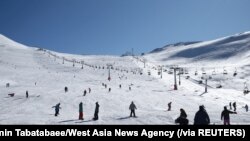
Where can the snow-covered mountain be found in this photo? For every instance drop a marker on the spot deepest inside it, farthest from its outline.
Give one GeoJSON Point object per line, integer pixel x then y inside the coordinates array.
{"type": "Point", "coordinates": [231, 49]}
{"type": "Point", "coordinates": [45, 74]}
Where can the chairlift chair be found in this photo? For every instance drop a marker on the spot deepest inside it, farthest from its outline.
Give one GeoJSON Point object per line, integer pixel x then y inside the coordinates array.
{"type": "Point", "coordinates": [235, 72]}
{"type": "Point", "coordinates": [196, 73]}
{"type": "Point", "coordinates": [203, 72]}
{"type": "Point", "coordinates": [219, 85]}
{"type": "Point", "coordinates": [225, 72]}
{"type": "Point", "coordinates": [246, 90]}
{"type": "Point", "coordinates": [214, 73]}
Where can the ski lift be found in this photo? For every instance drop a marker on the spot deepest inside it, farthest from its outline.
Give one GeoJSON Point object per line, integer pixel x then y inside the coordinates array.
{"type": "Point", "coordinates": [246, 90]}
{"type": "Point", "coordinates": [196, 73]}
{"type": "Point", "coordinates": [224, 71]}
{"type": "Point", "coordinates": [159, 72]}
{"type": "Point", "coordinates": [214, 73]}
{"type": "Point", "coordinates": [235, 72]}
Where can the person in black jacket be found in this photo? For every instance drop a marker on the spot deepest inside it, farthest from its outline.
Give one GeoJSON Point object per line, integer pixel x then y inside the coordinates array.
{"type": "Point", "coordinates": [201, 117]}
{"type": "Point", "coordinates": [169, 106]}
{"type": "Point", "coordinates": [57, 108]}
{"type": "Point", "coordinates": [182, 119]}
{"type": "Point", "coordinates": [225, 115]}
{"type": "Point", "coordinates": [234, 105]}
{"type": "Point", "coordinates": [27, 94]}
{"type": "Point", "coordinates": [132, 108]}
{"type": "Point", "coordinates": [96, 111]}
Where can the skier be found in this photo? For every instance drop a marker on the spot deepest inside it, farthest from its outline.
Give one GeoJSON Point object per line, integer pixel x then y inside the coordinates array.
{"type": "Point", "coordinates": [57, 108]}
{"type": "Point", "coordinates": [246, 108]}
{"type": "Point", "coordinates": [109, 89]}
{"type": "Point", "coordinates": [89, 90]}
{"type": "Point", "coordinates": [230, 105]}
{"type": "Point", "coordinates": [96, 111]}
{"type": "Point", "coordinates": [66, 89]}
{"type": "Point", "coordinates": [84, 93]}
{"type": "Point", "coordinates": [129, 88]}
{"type": "Point", "coordinates": [132, 107]}
{"type": "Point", "coordinates": [80, 111]}
{"type": "Point", "coordinates": [169, 106]}
{"type": "Point", "coordinates": [120, 86]}
{"type": "Point", "coordinates": [182, 119]}
{"type": "Point", "coordinates": [27, 94]}
{"type": "Point", "coordinates": [225, 115]}
{"type": "Point", "coordinates": [234, 105]}
{"type": "Point", "coordinates": [105, 86]}
{"type": "Point", "coordinates": [201, 117]}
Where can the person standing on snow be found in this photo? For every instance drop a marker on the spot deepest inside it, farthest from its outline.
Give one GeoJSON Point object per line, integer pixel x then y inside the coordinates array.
{"type": "Point", "coordinates": [246, 108]}
{"type": "Point", "coordinates": [230, 105]}
{"type": "Point", "coordinates": [201, 117]}
{"type": "Point", "coordinates": [132, 108]}
{"type": "Point", "coordinates": [57, 108]}
{"type": "Point", "coordinates": [27, 94]}
{"type": "Point", "coordinates": [96, 111]}
{"type": "Point", "coordinates": [234, 105]}
{"type": "Point", "coordinates": [84, 93]}
{"type": "Point", "coordinates": [169, 106]}
{"type": "Point", "coordinates": [225, 115]}
{"type": "Point", "coordinates": [80, 111]}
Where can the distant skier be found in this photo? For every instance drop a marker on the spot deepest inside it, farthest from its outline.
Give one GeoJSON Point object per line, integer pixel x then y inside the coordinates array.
{"type": "Point", "coordinates": [105, 86]}
{"type": "Point", "coordinates": [129, 88]}
{"type": "Point", "coordinates": [57, 108]}
{"type": "Point", "coordinates": [66, 89]}
{"type": "Point", "coordinates": [230, 105]}
{"type": "Point", "coordinates": [96, 111]}
{"type": "Point", "coordinates": [27, 94]}
{"type": "Point", "coordinates": [84, 93]}
{"type": "Point", "coordinates": [120, 86]}
{"type": "Point", "coordinates": [80, 111]}
{"type": "Point", "coordinates": [169, 106]}
{"type": "Point", "coordinates": [89, 90]}
{"type": "Point", "coordinates": [246, 108]}
{"type": "Point", "coordinates": [109, 89]}
{"type": "Point", "coordinates": [132, 108]}
{"type": "Point", "coordinates": [225, 115]}
{"type": "Point", "coordinates": [182, 119]}
{"type": "Point", "coordinates": [234, 105]}
{"type": "Point", "coordinates": [201, 117]}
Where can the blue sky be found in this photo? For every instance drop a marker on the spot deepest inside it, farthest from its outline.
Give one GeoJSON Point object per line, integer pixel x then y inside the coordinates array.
{"type": "Point", "coordinates": [115, 26]}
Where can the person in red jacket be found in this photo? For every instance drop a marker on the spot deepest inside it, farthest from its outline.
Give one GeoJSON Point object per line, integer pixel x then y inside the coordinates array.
{"type": "Point", "coordinates": [225, 115]}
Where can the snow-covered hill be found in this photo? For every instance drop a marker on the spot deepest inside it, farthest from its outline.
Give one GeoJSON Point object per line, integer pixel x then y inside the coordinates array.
{"type": "Point", "coordinates": [226, 50]}
{"type": "Point", "coordinates": [44, 75]}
